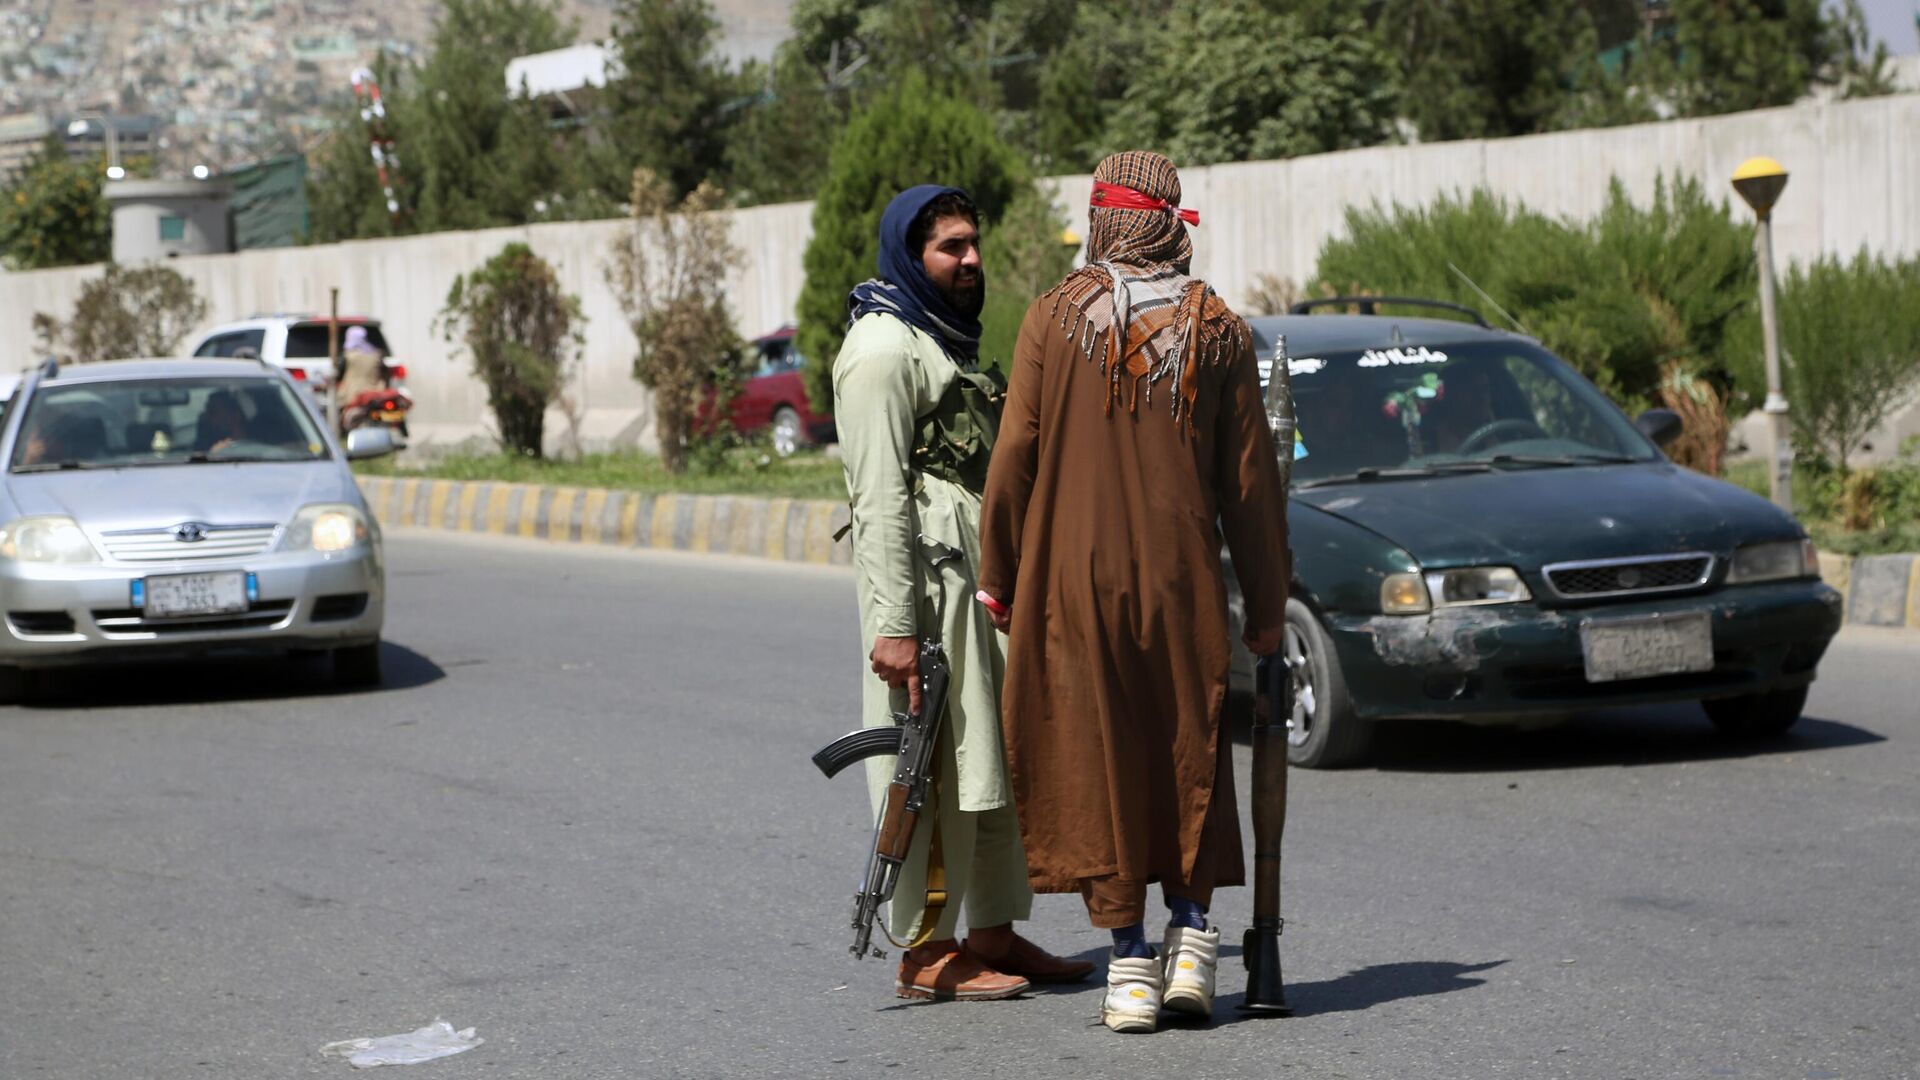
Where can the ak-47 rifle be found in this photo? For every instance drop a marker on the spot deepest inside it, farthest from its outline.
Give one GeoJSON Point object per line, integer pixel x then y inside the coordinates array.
{"type": "Point", "coordinates": [911, 740]}
{"type": "Point", "coordinates": [1266, 996]}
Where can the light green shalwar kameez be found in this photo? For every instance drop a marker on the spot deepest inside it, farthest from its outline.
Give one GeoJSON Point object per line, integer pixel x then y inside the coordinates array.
{"type": "Point", "coordinates": [887, 376]}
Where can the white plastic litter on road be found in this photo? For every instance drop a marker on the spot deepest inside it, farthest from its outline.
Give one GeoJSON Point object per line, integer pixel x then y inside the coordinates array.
{"type": "Point", "coordinates": [436, 1040]}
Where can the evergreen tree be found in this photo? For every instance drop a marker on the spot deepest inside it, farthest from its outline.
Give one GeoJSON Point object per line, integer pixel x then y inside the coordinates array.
{"type": "Point", "coordinates": [909, 135]}
{"type": "Point", "coordinates": [789, 114]}
{"type": "Point", "coordinates": [479, 157]}
{"type": "Point", "coordinates": [667, 109]}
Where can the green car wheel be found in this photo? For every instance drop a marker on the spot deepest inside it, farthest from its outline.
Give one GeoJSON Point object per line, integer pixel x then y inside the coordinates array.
{"type": "Point", "coordinates": [1323, 732]}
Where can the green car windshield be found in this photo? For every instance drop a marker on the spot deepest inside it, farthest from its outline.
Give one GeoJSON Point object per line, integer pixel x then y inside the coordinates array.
{"type": "Point", "coordinates": [173, 421]}
{"type": "Point", "coordinates": [1421, 410]}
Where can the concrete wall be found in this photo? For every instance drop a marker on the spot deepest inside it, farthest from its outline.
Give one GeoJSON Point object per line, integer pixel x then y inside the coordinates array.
{"type": "Point", "coordinates": [1856, 181]}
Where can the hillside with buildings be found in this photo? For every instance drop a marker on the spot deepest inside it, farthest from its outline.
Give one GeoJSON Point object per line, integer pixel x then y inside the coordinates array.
{"type": "Point", "coordinates": [225, 82]}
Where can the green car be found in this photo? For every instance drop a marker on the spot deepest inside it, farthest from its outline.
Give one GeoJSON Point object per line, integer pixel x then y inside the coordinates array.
{"type": "Point", "coordinates": [1480, 535]}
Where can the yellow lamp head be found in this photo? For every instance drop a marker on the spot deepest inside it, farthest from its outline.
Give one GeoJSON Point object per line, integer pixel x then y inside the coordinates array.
{"type": "Point", "coordinates": [1759, 180]}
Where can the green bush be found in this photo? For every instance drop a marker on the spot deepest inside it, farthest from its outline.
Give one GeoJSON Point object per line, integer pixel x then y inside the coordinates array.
{"type": "Point", "coordinates": [1621, 297]}
{"type": "Point", "coordinates": [124, 313]}
{"type": "Point", "coordinates": [1850, 337]}
{"type": "Point", "coordinates": [910, 135]}
{"type": "Point", "coordinates": [523, 332]}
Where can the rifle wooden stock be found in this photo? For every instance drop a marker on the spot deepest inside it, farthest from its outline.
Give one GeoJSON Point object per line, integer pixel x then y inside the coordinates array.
{"type": "Point", "coordinates": [897, 822]}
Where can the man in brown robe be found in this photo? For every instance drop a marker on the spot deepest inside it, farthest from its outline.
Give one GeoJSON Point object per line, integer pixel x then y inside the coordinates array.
{"type": "Point", "coordinates": [1133, 424]}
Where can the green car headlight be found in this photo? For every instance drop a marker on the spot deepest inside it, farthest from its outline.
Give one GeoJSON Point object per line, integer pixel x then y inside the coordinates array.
{"type": "Point", "coordinates": [1776, 560]}
{"type": "Point", "coordinates": [1404, 594]}
{"type": "Point", "coordinates": [51, 539]}
{"type": "Point", "coordinates": [1472, 585]}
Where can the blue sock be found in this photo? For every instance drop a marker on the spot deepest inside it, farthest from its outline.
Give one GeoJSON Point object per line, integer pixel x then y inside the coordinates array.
{"type": "Point", "coordinates": [1131, 941]}
{"type": "Point", "coordinates": [1186, 913]}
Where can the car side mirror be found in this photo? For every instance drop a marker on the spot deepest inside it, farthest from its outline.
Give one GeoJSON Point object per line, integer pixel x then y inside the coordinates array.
{"type": "Point", "coordinates": [369, 442]}
{"type": "Point", "coordinates": [1661, 425]}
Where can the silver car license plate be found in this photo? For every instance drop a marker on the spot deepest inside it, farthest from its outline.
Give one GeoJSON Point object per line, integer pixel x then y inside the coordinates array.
{"type": "Point", "coordinates": [179, 595]}
{"type": "Point", "coordinates": [1619, 649]}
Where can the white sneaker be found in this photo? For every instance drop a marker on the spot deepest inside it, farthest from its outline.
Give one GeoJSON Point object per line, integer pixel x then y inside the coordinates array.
{"type": "Point", "coordinates": [1132, 1004]}
{"type": "Point", "coordinates": [1191, 958]}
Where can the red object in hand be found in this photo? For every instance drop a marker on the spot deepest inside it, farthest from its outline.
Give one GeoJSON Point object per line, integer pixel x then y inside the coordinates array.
{"type": "Point", "coordinates": [993, 605]}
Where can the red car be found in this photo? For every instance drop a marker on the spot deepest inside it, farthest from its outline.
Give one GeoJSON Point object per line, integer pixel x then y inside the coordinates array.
{"type": "Point", "coordinates": [775, 396]}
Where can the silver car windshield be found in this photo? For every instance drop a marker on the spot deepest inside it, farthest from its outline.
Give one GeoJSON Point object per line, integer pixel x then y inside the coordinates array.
{"type": "Point", "coordinates": [174, 421]}
{"type": "Point", "coordinates": [1419, 410]}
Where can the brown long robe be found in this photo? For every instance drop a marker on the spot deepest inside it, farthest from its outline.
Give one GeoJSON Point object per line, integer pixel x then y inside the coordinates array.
{"type": "Point", "coordinates": [1099, 530]}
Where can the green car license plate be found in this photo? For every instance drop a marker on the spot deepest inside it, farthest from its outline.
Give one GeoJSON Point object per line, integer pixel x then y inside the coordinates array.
{"type": "Point", "coordinates": [1619, 649]}
{"type": "Point", "coordinates": [172, 596]}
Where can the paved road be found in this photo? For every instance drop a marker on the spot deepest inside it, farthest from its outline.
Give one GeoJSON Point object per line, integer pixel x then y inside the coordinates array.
{"type": "Point", "coordinates": [580, 818]}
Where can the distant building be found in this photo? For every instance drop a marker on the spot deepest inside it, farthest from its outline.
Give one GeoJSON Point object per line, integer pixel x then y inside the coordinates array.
{"type": "Point", "coordinates": [159, 219]}
{"type": "Point", "coordinates": [85, 136]}
{"type": "Point", "coordinates": [567, 80]}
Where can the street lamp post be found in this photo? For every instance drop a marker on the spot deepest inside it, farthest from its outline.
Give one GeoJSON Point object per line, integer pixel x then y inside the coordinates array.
{"type": "Point", "coordinates": [1759, 181]}
{"type": "Point", "coordinates": [78, 127]}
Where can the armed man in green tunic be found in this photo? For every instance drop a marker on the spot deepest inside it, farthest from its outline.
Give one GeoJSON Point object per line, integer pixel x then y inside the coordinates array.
{"type": "Point", "coordinates": [916, 422]}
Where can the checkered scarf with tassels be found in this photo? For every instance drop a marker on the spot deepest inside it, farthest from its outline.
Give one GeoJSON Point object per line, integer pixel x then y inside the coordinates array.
{"type": "Point", "coordinates": [1133, 309]}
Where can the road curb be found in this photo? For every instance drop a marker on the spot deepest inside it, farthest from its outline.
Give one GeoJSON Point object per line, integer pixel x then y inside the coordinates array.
{"type": "Point", "coordinates": [789, 530]}
{"type": "Point", "coordinates": [1876, 590]}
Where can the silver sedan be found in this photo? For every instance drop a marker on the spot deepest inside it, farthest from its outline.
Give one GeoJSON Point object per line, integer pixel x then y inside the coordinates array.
{"type": "Point", "coordinates": [155, 508]}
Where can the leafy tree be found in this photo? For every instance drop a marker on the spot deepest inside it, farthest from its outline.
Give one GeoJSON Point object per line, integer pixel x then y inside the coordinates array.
{"type": "Point", "coordinates": [52, 212]}
{"type": "Point", "coordinates": [669, 271]}
{"type": "Point", "coordinates": [1488, 68]}
{"type": "Point", "coordinates": [1234, 80]}
{"type": "Point", "coordinates": [1850, 334]}
{"type": "Point", "coordinates": [125, 313]}
{"type": "Point", "coordinates": [523, 332]}
{"type": "Point", "coordinates": [1721, 56]}
{"type": "Point", "coordinates": [666, 109]}
{"type": "Point", "coordinates": [1078, 82]}
{"type": "Point", "coordinates": [909, 135]}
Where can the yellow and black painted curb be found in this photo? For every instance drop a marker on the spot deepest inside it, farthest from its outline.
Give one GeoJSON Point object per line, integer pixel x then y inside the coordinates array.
{"type": "Point", "coordinates": [1878, 590]}
{"type": "Point", "coordinates": [792, 530]}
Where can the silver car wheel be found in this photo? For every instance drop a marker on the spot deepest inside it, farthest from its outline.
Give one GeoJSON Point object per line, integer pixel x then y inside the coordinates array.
{"type": "Point", "coordinates": [1305, 707]}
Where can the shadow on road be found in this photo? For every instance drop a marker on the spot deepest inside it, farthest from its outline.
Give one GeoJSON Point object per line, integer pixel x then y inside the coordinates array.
{"type": "Point", "coordinates": [1662, 736]}
{"type": "Point", "coordinates": [217, 679]}
{"type": "Point", "coordinates": [1365, 988]}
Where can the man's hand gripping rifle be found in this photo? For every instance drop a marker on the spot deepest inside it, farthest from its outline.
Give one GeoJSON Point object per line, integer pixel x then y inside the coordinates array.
{"type": "Point", "coordinates": [912, 740]}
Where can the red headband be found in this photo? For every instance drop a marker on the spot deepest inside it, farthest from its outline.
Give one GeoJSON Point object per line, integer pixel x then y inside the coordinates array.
{"type": "Point", "coordinates": [1116, 197]}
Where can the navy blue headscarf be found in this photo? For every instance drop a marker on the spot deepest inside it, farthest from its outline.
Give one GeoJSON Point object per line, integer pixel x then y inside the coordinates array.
{"type": "Point", "coordinates": [903, 289]}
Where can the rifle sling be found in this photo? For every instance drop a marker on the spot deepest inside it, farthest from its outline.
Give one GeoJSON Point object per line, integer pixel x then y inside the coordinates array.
{"type": "Point", "coordinates": [936, 887]}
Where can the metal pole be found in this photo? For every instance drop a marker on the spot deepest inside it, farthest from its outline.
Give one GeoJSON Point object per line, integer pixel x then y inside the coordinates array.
{"type": "Point", "coordinates": [333, 358]}
{"type": "Point", "coordinates": [1780, 448]}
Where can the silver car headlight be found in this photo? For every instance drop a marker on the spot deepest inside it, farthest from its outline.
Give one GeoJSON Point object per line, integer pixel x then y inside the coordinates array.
{"type": "Point", "coordinates": [326, 527]}
{"type": "Point", "coordinates": [50, 539]}
{"type": "Point", "coordinates": [1776, 560]}
{"type": "Point", "coordinates": [1469, 586]}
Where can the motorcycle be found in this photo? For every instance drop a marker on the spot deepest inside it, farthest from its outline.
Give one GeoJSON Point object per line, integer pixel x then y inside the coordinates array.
{"type": "Point", "coordinates": [382, 408]}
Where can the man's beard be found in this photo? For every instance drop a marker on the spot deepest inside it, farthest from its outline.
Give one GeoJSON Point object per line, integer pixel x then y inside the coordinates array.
{"type": "Point", "coordinates": [967, 300]}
